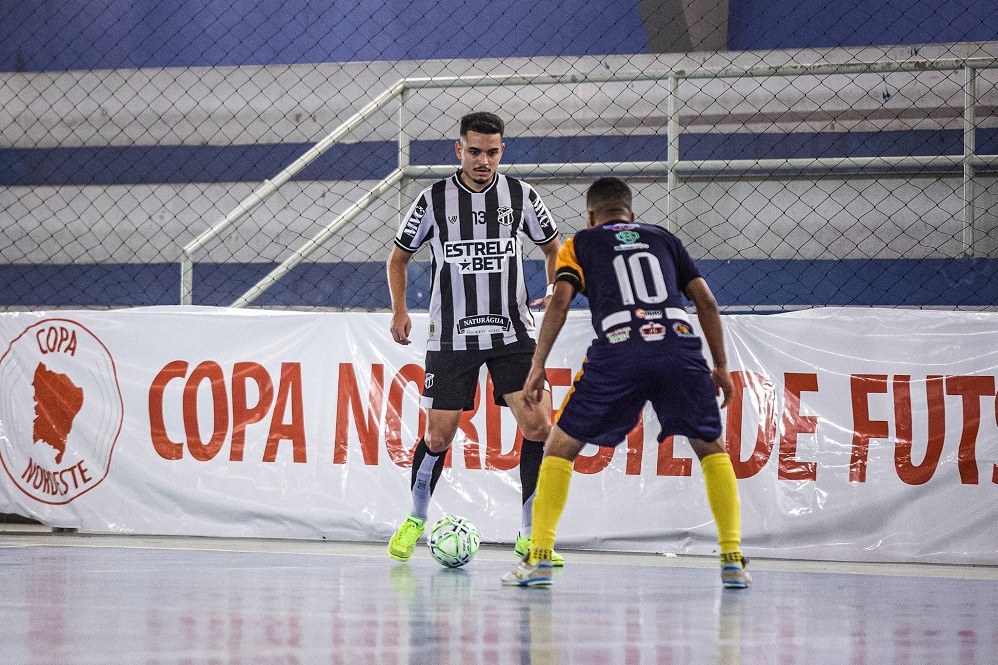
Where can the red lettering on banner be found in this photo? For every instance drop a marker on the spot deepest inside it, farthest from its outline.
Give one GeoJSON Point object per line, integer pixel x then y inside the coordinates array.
{"type": "Point", "coordinates": [164, 447]}
{"type": "Point", "coordinates": [252, 394]}
{"type": "Point", "coordinates": [398, 451]}
{"type": "Point", "coordinates": [557, 376]}
{"type": "Point", "coordinates": [761, 389]}
{"type": "Point", "coordinates": [55, 483]}
{"type": "Point", "coordinates": [369, 428]}
{"type": "Point", "coordinates": [668, 463]}
{"type": "Point", "coordinates": [242, 413]}
{"type": "Point", "coordinates": [212, 372]}
{"type": "Point", "coordinates": [599, 460]}
{"type": "Point", "coordinates": [56, 339]}
{"type": "Point", "coordinates": [794, 424]}
{"type": "Point", "coordinates": [289, 390]}
{"type": "Point", "coordinates": [863, 428]}
{"type": "Point", "coordinates": [971, 389]}
{"type": "Point", "coordinates": [907, 470]}
{"type": "Point", "coordinates": [603, 455]}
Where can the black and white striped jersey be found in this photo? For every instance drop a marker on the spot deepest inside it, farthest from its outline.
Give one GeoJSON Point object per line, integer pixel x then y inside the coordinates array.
{"type": "Point", "coordinates": [478, 296]}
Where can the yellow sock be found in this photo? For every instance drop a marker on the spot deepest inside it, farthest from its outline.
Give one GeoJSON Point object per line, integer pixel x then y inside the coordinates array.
{"type": "Point", "coordinates": [722, 493]}
{"type": "Point", "coordinates": [549, 502]}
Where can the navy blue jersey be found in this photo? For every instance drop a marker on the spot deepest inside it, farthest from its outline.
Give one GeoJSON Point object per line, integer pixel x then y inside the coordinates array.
{"type": "Point", "coordinates": [634, 276]}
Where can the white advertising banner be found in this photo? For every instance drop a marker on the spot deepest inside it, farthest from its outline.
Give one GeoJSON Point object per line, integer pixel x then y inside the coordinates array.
{"type": "Point", "coordinates": [857, 434]}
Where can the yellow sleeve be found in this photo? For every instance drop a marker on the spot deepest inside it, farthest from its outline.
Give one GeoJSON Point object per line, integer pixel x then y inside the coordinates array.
{"type": "Point", "coordinates": [567, 267]}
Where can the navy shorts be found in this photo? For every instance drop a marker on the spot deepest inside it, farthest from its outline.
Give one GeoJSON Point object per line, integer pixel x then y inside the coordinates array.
{"type": "Point", "coordinates": [452, 376]}
{"type": "Point", "coordinates": [607, 398]}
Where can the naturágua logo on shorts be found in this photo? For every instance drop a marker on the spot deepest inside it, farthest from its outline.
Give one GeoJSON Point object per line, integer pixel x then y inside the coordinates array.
{"type": "Point", "coordinates": [484, 323]}
{"type": "Point", "coordinates": [61, 411]}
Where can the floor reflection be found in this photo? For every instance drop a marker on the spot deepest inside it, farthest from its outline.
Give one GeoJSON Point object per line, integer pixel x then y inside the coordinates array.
{"type": "Point", "coordinates": [168, 606]}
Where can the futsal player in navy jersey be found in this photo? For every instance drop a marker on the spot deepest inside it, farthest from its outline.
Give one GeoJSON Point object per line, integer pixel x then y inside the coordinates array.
{"type": "Point", "coordinates": [635, 276]}
{"type": "Point", "coordinates": [475, 223]}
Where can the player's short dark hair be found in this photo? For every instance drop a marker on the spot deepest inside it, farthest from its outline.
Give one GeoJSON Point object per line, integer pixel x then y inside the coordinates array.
{"type": "Point", "coordinates": [609, 196]}
{"type": "Point", "coordinates": [482, 122]}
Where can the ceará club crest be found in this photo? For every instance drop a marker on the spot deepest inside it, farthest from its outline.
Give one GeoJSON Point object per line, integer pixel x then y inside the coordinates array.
{"type": "Point", "coordinates": [61, 410]}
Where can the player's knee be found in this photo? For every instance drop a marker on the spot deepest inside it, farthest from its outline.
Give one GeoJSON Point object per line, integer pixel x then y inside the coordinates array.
{"type": "Point", "coordinates": [536, 431]}
{"type": "Point", "coordinates": [561, 445]}
{"type": "Point", "coordinates": [704, 448]}
{"type": "Point", "coordinates": [438, 444]}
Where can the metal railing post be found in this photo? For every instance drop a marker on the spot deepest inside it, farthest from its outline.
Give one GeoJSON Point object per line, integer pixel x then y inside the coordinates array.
{"type": "Point", "coordinates": [672, 156]}
{"type": "Point", "coordinates": [405, 118]}
{"type": "Point", "coordinates": [969, 148]}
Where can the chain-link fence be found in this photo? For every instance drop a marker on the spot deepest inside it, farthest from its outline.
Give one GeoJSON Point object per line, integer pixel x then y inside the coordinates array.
{"type": "Point", "coordinates": [263, 153]}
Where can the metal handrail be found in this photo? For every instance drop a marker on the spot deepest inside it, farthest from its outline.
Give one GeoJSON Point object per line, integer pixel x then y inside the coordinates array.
{"type": "Point", "coordinates": [318, 240]}
{"type": "Point", "coordinates": [673, 167]}
{"type": "Point", "coordinates": [268, 187]}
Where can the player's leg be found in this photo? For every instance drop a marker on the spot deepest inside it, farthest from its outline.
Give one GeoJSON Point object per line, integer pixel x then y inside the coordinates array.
{"type": "Point", "coordinates": [603, 407]}
{"type": "Point", "coordinates": [509, 368]}
{"type": "Point", "coordinates": [552, 486]}
{"type": "Point", "coordinates": [452, 378]}
{"type": "Point", "coordinates": [427, 465]}
{"type": "Point", "coordinates": [722, 494]}
{"type": "Point", "coordinates": [534, 421]}
{"type": "Point", "coordinates": [428, 458]}
{"type": "Point", "coordinates": [552, 494]}
{"type": "Point", "coordinates": [686, 404]}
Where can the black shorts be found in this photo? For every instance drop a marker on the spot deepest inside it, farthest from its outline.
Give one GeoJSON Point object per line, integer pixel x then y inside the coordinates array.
{"type": "Point", "coordinates": [452, 376]}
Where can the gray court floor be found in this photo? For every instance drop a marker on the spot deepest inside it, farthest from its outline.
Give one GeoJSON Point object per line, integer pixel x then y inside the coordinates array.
{"type": "Point", "coordinates": [78, 598]}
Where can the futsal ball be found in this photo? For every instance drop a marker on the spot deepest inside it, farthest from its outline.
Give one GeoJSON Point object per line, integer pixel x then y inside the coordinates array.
{"type": "Point", "coordinates": [453, 541]}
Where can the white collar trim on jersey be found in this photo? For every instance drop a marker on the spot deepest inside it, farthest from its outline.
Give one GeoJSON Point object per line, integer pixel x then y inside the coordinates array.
{"type": "Point", "coordinates": [457, 180]}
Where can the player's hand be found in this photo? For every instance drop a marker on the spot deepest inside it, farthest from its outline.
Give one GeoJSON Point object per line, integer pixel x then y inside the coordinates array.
{"type": "Point", "coordinates": [723, 384]}
{"type": "Point", "coordinates": [541, 302]}
{"type": "Point", "coordinates": [533, 387]}
{"type": "Point", "coordinates": [401, 326]}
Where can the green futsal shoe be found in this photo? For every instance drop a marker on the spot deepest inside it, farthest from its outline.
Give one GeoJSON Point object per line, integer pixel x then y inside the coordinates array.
{"type": "Point", "coordinates": [523, 544]}
{"type": "Point", "coordinates": [403, 543]}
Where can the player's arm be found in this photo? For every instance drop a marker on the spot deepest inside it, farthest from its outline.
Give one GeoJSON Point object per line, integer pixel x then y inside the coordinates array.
{"type": "Point", "coordinates": [555, 316]}
{"type": "Point", "coordinates": [398, 277]}
{"type": "Point", "coordinates": [568, 282]}
{"type": "Point", "coordinates": [550, 249]}
{"type": "Point", "coordinates": [710, 323]}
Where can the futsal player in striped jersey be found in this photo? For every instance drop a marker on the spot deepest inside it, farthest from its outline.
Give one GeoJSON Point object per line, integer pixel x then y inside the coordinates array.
{"type": "Point", "coordinates": [475, 223]}
{"type": "Point", "coordinates": [634, 275]}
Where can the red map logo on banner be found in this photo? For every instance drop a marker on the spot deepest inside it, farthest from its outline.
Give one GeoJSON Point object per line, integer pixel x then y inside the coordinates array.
{"type": "Point", "coordinates": [57, 401]}
{"type": "Point", "coordinates": [60, 410]}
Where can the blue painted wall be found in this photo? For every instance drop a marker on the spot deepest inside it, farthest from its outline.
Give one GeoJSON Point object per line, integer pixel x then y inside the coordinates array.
{"type": "Point", "coordinates": [739, 284]}
{"type": "Point", "coordinates": [47, 35]}
{"type": "Point", "coordinates": [148, 165]}
{"type": "Point", "coordinates": [785, 24]}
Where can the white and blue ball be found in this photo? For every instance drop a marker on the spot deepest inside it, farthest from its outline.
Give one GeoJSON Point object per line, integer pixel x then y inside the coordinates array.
{"type": "Point", "coordinates": [453, 541]}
